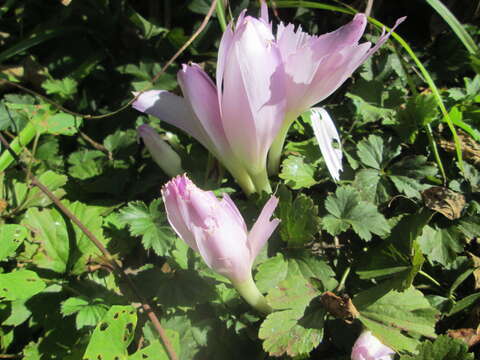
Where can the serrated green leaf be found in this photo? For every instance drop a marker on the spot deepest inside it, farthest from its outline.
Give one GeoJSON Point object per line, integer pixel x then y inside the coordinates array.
{"type": "Point", "coordinates": [271, 272]}
{"type": "Point", "coordinates": [85, 164]}
{"type": "Point", "coordinates": [373, 153]}
{"type": "Point", "coordinates": [396, 318]}
{"type": "Point", "coordinates": [88, 313]}
{"type": "Point", "coordinates": [297, 174]}
{"type": "Point", "coordinates": [347, 210]}
{"type": "Point", "coordinates": [54, 247]}
{"type": "Point", "coordinates": [371, 186]}
{"type": "Point", "coordinates": [113, 334]}
{"type": "Point", "coordinates": [443, 348]}
{"type": "Point", "coordinates": [281, 331]}
{"type": "Point", "coordinates": [64, 88]}
{"type": "Point", "coordinates": [11, 237]}
{"type": "Point", "coordinates": [20, 285]}
{"type": "Point", "coordinates": [299, 218]}
{"type": "Point", "coordinates": [50, 245]}
{"type": "Point", "coordinates": [441, 245]}
{"type": "Point", "coordinates": [150, 223]}
{"type": "Point", "coordinates": [26, 197]}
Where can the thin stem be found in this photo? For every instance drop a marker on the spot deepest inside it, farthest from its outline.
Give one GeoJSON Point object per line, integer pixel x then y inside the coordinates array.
{"type": "Point", "coordinates": [249, 291]}
{"type": "Point", "coordinates": [262, 184]}
{"type": "Point", "coordinates": [345, 274]}
{"type": "Point", "coordinates": [108, 256]}
{"type": "Point", "coordinates": [275, 153]}
{"type": "Point", "coordinates": [425, 275]}
{"type": "Point", "coordinates": [436, 154]}
{"type": "Point", "coordinates": [221, 15]}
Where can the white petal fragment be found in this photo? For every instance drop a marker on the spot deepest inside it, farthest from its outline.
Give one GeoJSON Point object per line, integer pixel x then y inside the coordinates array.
{"type": "Point", "coordinates": [326, 134]}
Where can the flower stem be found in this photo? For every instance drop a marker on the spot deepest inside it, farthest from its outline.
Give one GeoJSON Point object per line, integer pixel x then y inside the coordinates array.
{"type": "Point", "coordinates": [243, 179]}
{"type": "Point", "coordinates": [275, 153]}
{"type": "Point", "coordinates": [249, 291]}
{"type": "Point", "coordinates": [262, 184]}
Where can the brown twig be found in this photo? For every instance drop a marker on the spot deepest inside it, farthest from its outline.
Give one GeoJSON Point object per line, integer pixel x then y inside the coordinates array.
{"type": "Point", "coordinates": [108, 256]}
{"type": "Point", "coordinates": [202, 26]}
{"type": "Point", "coordinates": [368, 8]}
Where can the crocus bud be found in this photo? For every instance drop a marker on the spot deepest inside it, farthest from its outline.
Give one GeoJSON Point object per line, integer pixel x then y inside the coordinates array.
{"type": "Point", "coordinates": [216, 229]}
{"type": "Point", "coordinates": [161, 152]}
{"type": "Point", "coordinates": [368, 347]}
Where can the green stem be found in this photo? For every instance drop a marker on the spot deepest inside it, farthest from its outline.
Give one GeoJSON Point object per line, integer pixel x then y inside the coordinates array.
{"type": "Point", "coordinates": [345, 274]}
{"type": "Point", "coordinates": [249, 291]}
{"type": "Point", "coordinates": [243, 179]}
{"type": "Point", "coordinates": [23, 139]}
{"type": "Point", "coordinates": [221, 15]}
{"type": "Point", "coordinates": [262, 184]}
{"type": "Point", "coordinates": [425, 275]}
{"type": "Point", "coordinates": [436, 154]}
{"type": "Point", "coordinates": [275, 153]}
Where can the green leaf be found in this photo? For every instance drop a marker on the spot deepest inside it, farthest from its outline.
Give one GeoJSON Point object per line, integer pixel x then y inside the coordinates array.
{"type": "Point", "coordinates": [299, 218]}
{"type": "Point", "coordinates": [57, 124]}
{"type": "Point", "coordinates": [11, 237]}
{"type": "Point", "coordinates": [85, 164]}
{"type": "Point", "coordinates": [347, 210]}
{"type": "Point", "coordinates": [64, 88]}
{"type": "Point", "coordinates": [26, 197]}
{"type": "Point", "coordinates": [400, 257]}
{"type": "Point", "coordinates": [271, 272]}
{"type": "Point", "coordinates": [156, 351]}
{"type": "Point", "coordinates": [113, 334]}
{"type": "Point", "coordinates": [281, 331]}
{"type": "Point", "coordinates": [20, 285]}
{"type": "Point", "coordinates": [441, 245]}
{"type": "Point", "coordinates": [466, 302]}
{"type": "Point", "coordinates": [150, 223]}
{"type": "Point", "coordinates": [88, 313]}
{"type": "Point", "coordinates": [419, 111]}
{"type": "Point", "coordinates": [297, 174]}
{"type": "Point", "coordinates": [396, 318]}
{"type": "Point", "coordinates": [373, 153]}
{"type": "Point", "coordinates": [443, 348]}
{"type": "Point", "coordinates": [372, 186]}
{"type": "Point", "coordinates": [147, 28]}
{"type": "Point", "coordinates": [49, 248]}
{"type": "Point", "coordinates": [56, 248]}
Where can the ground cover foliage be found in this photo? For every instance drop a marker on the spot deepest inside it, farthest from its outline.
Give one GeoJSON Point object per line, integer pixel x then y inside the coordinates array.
{"type": "Point", "coordinates": [393, 246]}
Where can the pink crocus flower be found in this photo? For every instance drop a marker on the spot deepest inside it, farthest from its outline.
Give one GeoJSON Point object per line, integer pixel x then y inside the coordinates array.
{"type": "Point", "coordinates": [216, 229]}
{"type": "Point", "coordinates": [237, 118]}
{"type": "Point", "coordinates": [316, 66]}
{"type": "Point", "coordinates": [368, 347]}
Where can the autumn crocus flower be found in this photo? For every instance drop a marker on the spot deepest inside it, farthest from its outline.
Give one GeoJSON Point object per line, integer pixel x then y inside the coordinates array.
{"type": "Point", "coordinates": [216, 229]}
{"type": "Point", "coordinates": [368, 347]}
{"type": "Point", "coordinates": [315, 66]}
{"type": "Point", "coordinates": [237, 118]}
{"type": "Point", "coordinates": [161, 152]}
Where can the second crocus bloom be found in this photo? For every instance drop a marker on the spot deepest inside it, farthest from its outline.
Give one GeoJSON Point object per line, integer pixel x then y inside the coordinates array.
{"type": "Point", "coordinates": [216, 229]}
{"type": "Point", "coordinates": [238, 118]}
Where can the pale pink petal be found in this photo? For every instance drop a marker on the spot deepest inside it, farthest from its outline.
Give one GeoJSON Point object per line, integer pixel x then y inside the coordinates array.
{"type": "Point", "coordinates": [253, 93]}
{"type": "Point", "coordinates": [368, 347]}
{"type": "Point", "coordinates": [327, 135]}
{"type": "Point", "coordinates": [263, 228]}
{"type": "Point", "coordinates": [172, 109]}
{"type": "Point", "coordinates": [223, 50]}
{"type": "Point", "coordinates": [232, 210]}
{"type": "Point", "coordinates": [333, 71]}
{"type": "Point", "coordinates": [201, 94]}
{"type": "Point", "coordinates": [173, 200]}
{"type": "Point", "coordinates": [384, 37]}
